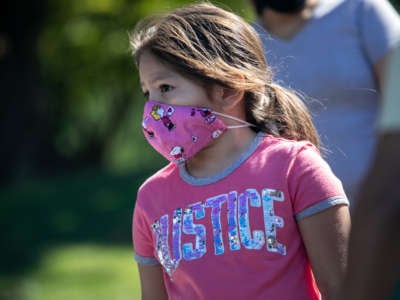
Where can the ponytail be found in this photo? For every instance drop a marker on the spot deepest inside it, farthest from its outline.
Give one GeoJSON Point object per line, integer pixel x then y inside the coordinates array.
{"type": "Point", "coordinates": [281, 112]}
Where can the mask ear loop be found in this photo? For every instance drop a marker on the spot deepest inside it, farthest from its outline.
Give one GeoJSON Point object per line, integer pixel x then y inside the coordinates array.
{"type": "Point", "coordinates": [272, 127]}
{"type": "Point", "coordinates": [244, 123]}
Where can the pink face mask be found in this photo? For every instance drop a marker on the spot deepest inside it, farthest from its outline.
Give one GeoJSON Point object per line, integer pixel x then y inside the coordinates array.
{"type": "Point", "coordinates": [179, 132]}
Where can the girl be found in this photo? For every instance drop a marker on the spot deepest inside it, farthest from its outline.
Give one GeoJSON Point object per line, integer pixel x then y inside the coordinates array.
{"type": "Point", "coordinates": [247, 208]}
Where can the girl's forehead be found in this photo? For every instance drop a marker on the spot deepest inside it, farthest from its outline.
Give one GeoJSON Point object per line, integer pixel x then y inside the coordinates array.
{"type": "Point", "coordinates": [151, 69]}
{"type": "Point", "coordinates": [148, 60]}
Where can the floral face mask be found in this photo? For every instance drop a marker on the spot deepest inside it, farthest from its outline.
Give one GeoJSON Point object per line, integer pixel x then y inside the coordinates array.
{"type": "Point", "coordinates": [179, 132]}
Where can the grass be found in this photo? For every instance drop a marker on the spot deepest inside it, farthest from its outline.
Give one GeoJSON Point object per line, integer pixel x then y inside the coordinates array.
{"type": "Point", "coordinates": [79, 272]}
{"type": "Point", "coordinates": [69, 237]}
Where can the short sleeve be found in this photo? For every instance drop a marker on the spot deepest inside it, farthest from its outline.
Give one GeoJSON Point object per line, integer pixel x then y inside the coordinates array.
{"type": "Point", "coordinates": [312, 185]}
{"type": "Point", "coordinates": [379, 26]}
{"type": "Point", "coordinates": [142, 238]}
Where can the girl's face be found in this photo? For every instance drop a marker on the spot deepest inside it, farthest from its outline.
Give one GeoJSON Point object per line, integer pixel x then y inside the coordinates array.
{"type": "Point", "coordinates": [163, 84]}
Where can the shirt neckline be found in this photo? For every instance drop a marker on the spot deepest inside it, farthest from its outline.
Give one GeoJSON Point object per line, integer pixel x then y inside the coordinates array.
{"type": "Point", "coordinates": [199, 181]}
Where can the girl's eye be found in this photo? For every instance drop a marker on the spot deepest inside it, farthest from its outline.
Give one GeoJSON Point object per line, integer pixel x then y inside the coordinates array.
{"type": "Point", "coordinates": [146, 95]}
{"type": "Point", "coordinates": [165, 88]}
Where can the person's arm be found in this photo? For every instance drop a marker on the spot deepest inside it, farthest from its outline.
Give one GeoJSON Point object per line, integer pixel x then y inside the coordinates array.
{"type": "Point", "coordinates": [325, 237]}
{"type": "Point", "coordinates": [152, 283]}
{"type": "Point", "coordinates": [374, 260]}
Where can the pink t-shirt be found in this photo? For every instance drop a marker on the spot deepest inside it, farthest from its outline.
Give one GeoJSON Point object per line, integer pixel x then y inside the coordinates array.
{"type": "Point", "coordinates": [234, 235]}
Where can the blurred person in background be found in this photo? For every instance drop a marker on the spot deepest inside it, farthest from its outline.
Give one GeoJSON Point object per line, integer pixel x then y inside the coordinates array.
{"type": "Point", "coordinates": [334, 52]}
{"type": "Point", "coordinates": [374, 257]}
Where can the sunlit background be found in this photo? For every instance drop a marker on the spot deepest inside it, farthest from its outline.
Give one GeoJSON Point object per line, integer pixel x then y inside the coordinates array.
{"type": "Point", "coordinates": [72, 151]}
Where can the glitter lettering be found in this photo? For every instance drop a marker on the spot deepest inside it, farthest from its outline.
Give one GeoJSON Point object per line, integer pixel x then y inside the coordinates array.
{"type": "Point", "coordinates": [237, 223]}
{"type": "Point", "coordinates": [176, 234]}
{"type": "Point", "coordinates": [234, 242]}
{"type": "Point", "coordinates": [272, 221]}
{"type": "Point", "coordinates": [160, 228]}
{"type": "Point", "coordinates": [196, 229]}
{"type": "Point", "coordinates": [216, 203]}
{"type": "Point", "coordinates": [258, 239]}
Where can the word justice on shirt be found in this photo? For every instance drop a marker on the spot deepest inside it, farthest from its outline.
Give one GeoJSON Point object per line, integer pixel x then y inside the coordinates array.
{"type": "Point", "coordinates": [239, 230]}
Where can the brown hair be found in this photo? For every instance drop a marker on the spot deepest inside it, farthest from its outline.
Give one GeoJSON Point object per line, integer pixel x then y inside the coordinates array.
{"type": "Point", "coordinates": [215, 46]}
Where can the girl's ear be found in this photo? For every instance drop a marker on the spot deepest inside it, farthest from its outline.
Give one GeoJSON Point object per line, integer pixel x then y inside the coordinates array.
{"type": "Point", "coordinates": [227, 99]}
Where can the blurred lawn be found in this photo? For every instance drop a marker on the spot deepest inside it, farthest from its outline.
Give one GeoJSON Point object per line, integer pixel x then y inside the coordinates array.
{"type": "Point", "coordinates": [69, 237]}
{"type": "Point", "coordinates": [78, 272]}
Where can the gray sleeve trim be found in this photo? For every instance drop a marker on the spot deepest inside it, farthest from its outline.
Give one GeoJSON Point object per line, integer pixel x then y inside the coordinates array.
{"type": "Point", "coordinates": [320, 206]}
{"type": "Point", "coordinates": [148, 261]}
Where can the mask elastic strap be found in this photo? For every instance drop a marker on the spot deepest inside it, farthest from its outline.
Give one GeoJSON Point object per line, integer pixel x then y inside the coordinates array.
{"type": "Point", "coordinates": [244, 123]}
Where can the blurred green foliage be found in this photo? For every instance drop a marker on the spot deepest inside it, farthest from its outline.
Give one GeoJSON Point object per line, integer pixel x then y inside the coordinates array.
{"type": "Point", "coordinates": [91, 103]}
{"type": "Point", "coordinates": [88, 206]}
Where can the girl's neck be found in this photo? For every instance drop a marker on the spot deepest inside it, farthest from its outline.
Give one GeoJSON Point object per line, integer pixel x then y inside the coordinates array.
{"type": "Point", "coordinates": [221, 153]}
{"type": "Point", "coordinates": [285, 26]}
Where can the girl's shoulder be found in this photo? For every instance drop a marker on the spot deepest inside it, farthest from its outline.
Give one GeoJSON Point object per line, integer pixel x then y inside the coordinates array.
{"type": "Point", "coordinates": [162, 177]}
{"type": "Point", "coordinates": [283, 153]}
{"type": "Point", "coordinates": [286, 147]}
